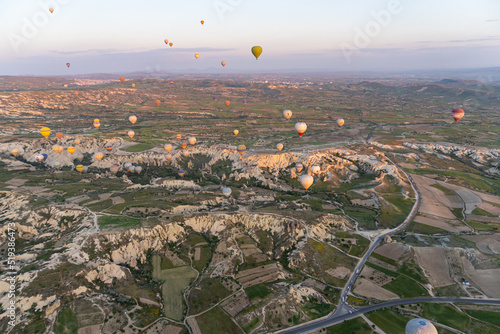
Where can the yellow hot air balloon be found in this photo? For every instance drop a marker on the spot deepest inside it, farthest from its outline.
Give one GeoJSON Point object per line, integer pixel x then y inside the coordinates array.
{"type": "Point", "coordinates": [181, 172]}
{"type": "Point", "coordinates": [196, 55]}
{"type": "Point", "coordinates": [133, 85]}
{"type": "Point", "coordinates": [131, 134]}
{"type": "Point", "coordinates": [51, 10]}
{"type": "Point", "coordinates": [241, 149]}
{"type": "Point", "coordinates": [97, 123]}
{"type": "Point", "coordinates": [14, 152]}
{"type": "Point", "coordinates": [223, 63]}
{"type": "Point", "coordinates": [340, 122]}
{"type": "Point", "coordinates": [178, 137]}
{"type": "Point", "coordinates": [257, 51]}
{"type": "Point", "coordinates": [279, 147]}
{"type": "Point", "coordinates": [184, 145]}
{"type": "Point", "coordinates": [71, 149]}
{"type": "Point", "coordinates": [166, 41]}
{"type": "Point", "coordinates": [76, 93]}
{"type": "Point", "coordinates": [45, 132]}
{"type": "Point", "coordinates": [236, 132]}
{"type": "Point", "coordinates": [168, 147]}
{"type": "Point", "coordinates": [99, 155]}
{"type": "Point", "coordinates": [79, 168]}
{"type": "Point", "coordinates": [77, 141]}
{"type": "Point", "coordinates": [132, 119]}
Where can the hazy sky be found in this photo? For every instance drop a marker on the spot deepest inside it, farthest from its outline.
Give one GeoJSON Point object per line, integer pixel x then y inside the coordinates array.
{"type": "Point", "coordinates": [120, 36]}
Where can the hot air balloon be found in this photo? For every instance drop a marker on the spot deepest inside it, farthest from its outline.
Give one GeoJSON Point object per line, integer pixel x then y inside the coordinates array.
{"type": "Point", "coordinates": [79, 168]}
{"type": "Point", "coordinates": [315, 169]}
{"type": "Point", "coordinates": [131, 134]}
{"type": "Point", "coordinates": [178, 137]}
{"type": "Point", "coordinates": [127, 165]}
{"type": "Point", "coordinates": [306, 181]}
{"type": "Point", "coordinates": [181, 172]}
{"type": "Point", "coordinates": [241, 149]}
{"type": "Point", "coordinates": [299, 167]}
{"type": "Point", "coordinates": [79, 157]}
{"type": "Point", "coordinates": [85, 169]}
{"type": "Point", "coordinates": [59, 135]}
{"type": "Point", "coordinates": [14, 152]}
{"type": "Point", "coordinates": [192, 141]}
{"type": "Point", "coordinates": [122, 79]}
{"type": "Point", "coordinates": [185, 153]}
{"type": "Point", "coordinates": [132, 119]}
{"type": "Point", "coordinates": [244, 101]}
{"type": "Point", "coordinates": [279, 147]}
{"type": "Point", "coordinates": [131, 169]}
{"type": "Point", "coordinates": [51, 10]}
{"type": "Point", "coordinates": [76, 93]}
{"type": "Point", "coordinates": [226, 191]}
{"type": "Point", "coordinates": [184, 145]}
{"type": "Point", "coordinates": [171, 44]}
{"type": "Point", "coordinates": [99, 156]}
{"type": "Point", "coordinates": [45, 156]}
{"type": "Point", "coordinates": [158, 103]}
{"type": "Point", "coordinates": [202, 22]}
{"type": "Point", "coordinates": [168, 147]}
{"type": "Point", "coordinates": [301, 127]}
{"type": "Point", "coordinates": [138, 169]}
{"type": "Point", "coordinates": [236, 132]}
{"type": "Point", "coordinates": [77, 141]}
{"type": "Point", "coordinates": [57, 165]}
{"type": "Point", "coordinates": [223, 63]}
{"type": "Point", "coordinates": [227, 103]}
{"type": "Point", "coordinates": [71, 149]}
{"type": "Point", "coordinates": [133, 85]}
{"type": "Point", "coordinates": [166, 41]}
{"type": "Point", "coordinates": [4, 149]}
{"type": "Point", "coordinates": [45, 132]}
{"type": "Point", "coordinates": [215, 98]}
{"type": "Point", "coordinates": [196, 55]}
{"type": "Point", "coordinates": [256, 51]}
{"type": "Point", "coordinates": [58, 149]}
{"type": "Point", "coordinates": [168, 157]}
{"type": "Point", "coordinates": [171, 82]}
{"type": "Point", "coordinates": [420, 326]}
{"type": "Point", "coordinates": [340, 122]}
{"type": "Point", "coordinates": [97, 123]}
{"type": "Point", "coordinates": [68, 64]}
{"type": "Point", "coordinates": [39, 158]}
{"type": "Point", "coordinates": [457, 114]}
{"type": "Point", "coordinates": [114, 168]}
{"type": "Point", "coordinates": [175, 102]}
{"type": "Point", "coordinates": [287, 114]}
{"type": "Point", "coordinates": [109, 148]}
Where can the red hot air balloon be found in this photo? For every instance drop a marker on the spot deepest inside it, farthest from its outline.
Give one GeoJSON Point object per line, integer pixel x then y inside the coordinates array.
{"type": "Point", "coordinates": [227, 103]}
{"type": "Point", "coordinates": [457, 114]}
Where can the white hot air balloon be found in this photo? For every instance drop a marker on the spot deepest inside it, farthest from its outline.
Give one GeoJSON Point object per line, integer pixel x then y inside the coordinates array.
{"type": "Point", "coordinates": [57, 165]}
{"type": "Point", "coordinates": [131, 169]}
{"type": "Point", "coordinates": [226, 191]}
{"type": "Point", "coordinates": [168, 157]}
{"type": "Point", "coordinates": [301, 127]}
{"type": "Point", "coordinates": [127, 165]}
{"type": "Point", "coordinates": [299, 167]}
{"type": "Point", "coordinates": [306, 181]}
{"type": "Point", "coordinates": [85, 169]}
{"type": "Point", "coordinates": [287, 114]}
{"type": "Point", "coordinates": [192, 141]}
{"type": "Point", "coordinates": [138, 169]}
{"type": "Point", "coordinates": [420, 326]}
{"type": "Point", "coordinates": [131, 134]}
{"type": "Point", "coordinates": [132, 119]}
{"type": "Point", "coordinates": [315, 169]}
{"type": "Point", "coordinates": [279, 147]}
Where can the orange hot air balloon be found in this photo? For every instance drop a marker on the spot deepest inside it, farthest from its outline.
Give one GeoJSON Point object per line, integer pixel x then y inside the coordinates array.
{"type": "Point", "coordinates": [132, 119]}
{"type": "Point", "coordinates": [14, 152]}
{"type": "Point", "coordinates": [166, 41]}
{"type": "Point", "coordinates": [196, 55]}
{"type": "Point", "coordinates": [97, 123]}
{"type": "Point", "coordinates": [131, 134]}
{"type": "Point", "coordinates": [227, 103]}
{"type": "Point", "coordinates": [457, 114]}
{"type": "Point", "coordinates": [175, 102]}
{"type": "Point", "coordinates": [184, 145]}
{"type": "Point", "coordinates": [77, 141]}
{"type": "Point", "coordinates": [202, 22]}
{"type": "Point", "coordinates": [236, 132]}
{"type": "Point", "coordinates": [99, 155]}
{"type": "Point", "coordinates": [133, 85]}
{"type": "Point", "coordinates": [45, 132]}
{"type": "Point", "coordinates": [71, 149]}
{"type": "Point", "coordinates": [122, 79]}
{"type": "Point", "coordinates": [59, 135]}
{"type": "Point", "coordinates": [51, 10]}
{"type": "Point", "coordinates": [76, 93]}
{"type": "Point", "coordinates": [340, 122]}
{"type": "Point", "coordinates": [158, 103]}
{"type": "Point", "coordinates": [171, 44]}
{"type": "Point", "coordinates": [178, 137]}
{"type": "Point", "coordinates": [223, 63]}
{"type": "Point", "coordinates": [171, 82]}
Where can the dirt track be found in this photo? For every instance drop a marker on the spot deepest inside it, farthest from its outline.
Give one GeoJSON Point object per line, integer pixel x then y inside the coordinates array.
{"type": "Point", "coordinates": [435, 264]}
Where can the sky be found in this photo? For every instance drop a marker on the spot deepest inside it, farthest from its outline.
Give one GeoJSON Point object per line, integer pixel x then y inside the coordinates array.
{"type": "Point", "coordinates": [123, 36]}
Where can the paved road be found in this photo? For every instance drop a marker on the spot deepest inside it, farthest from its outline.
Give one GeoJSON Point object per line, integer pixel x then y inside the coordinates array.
{"type": "Point", "coordinates": [334, 319]}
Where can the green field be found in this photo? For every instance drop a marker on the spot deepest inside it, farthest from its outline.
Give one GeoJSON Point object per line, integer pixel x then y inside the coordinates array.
{"type": "Point", "coordinates": [389, 321]}
{"type": "Point", "coordinates": [118, 222]}
{"type": "Point", "coordinates": [446, 315]}
{"type": "Point", "coordinates": [66, 322]}
{"type": "Point", "coordinates": [257, 291]}
{"type": "Point", "coordinates": [488, 316]}
{"type": "Point", "coordinates": [175, 280]}
{"type": "Point", "coordinates": [406, 287]}
{"type": "Point", "coordinates": [217, 321]}
{"type": "Point", "coordinates": [354, 326]}
{"type": "Point", "coordinates": [138, 148]}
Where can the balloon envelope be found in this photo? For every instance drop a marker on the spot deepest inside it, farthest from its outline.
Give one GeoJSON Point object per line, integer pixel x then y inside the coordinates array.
{"type": "Point", "coordinates": [132, 119]}
{"type": "Point", "coordinates": [168, 147]}
{"type": "Point", "coordinates": [306, 181]}
{"type": "Point", "coordinates": [79, 168]}
{"type": "Point", "coordinates": [315, 169]}
{"type": "Point", "coordinates": [185, 153]}
{"type": "Point", "coordinates": [299, 167]}
{"type": "Point", "coordinates": [131, 134]}
{"type": "Point", "coordinates": [181, 172]}
{"type": "Point", "coordinates": [171, 44]}
{"type": "Point", "coordinates": [287, 114]}
{"type": "Point", "coordinates": [340, 122]}
{"type": "Point", "coordinates": [223, 63]}
{"type": "Point", "coordinates": [99, 155]}
{"type": "Point", "coordinates": [45, 132]}
{"type": "Point", "coordinates": [138, 169]}
{"type": "Point", "coordinates": [14, 152]}
{"type": "Point", "coordinates": [79, 157]}
{"type": "Point", "coordinates": [178, 137]}
{"type": "Point", "coordinates": [166, 41]}
{"type": "Point", "coordinates": [97, 123]}
{"type": "Point", "coordinates": [77, 141]}
{"type": "Point", "coordinates": [226, 191]}
{"type": "Point", "coordinates": [122, 79]}
{"type": "Point", "coordinates": [196, 55]}
{"type": "Point", "coordinates": [59, 135]}
{"type": "Point", "coordinates": [114, 168]}
{"type": "Point", "coordinates": [457, 114]}
{"type": "Point", "coordinates": [241, 149]}
{"type": "Point", "coordinates": [202, 22]}
{"type": "Point", "coordinates": [51, 10]}
{"type": "Point", "coordinates": [236, 132]}
{"type": "Point", "coordinates": [184, 145]}
{"type": "Point", "coordinates": [279, 147]}
{"type": "Point", "coordinates": [227, 103]}
{"type": "Point", "coordinates": [71, 149]}
{"type": "Point", "coordinates": [257, 51]}
{"type": "Point", "coordinates": [158, 103]}
{"type": "Point", "coordinates": [192, 140]}
{"type": "Point", "coordinates": [301, 127]}
{"type": "Point", "coordinates": [168, 157]}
